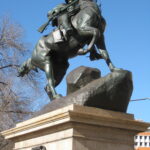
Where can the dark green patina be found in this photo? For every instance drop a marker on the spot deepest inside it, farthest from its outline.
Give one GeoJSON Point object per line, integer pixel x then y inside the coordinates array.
{"type": "Point", "coordinates": [78, 23]}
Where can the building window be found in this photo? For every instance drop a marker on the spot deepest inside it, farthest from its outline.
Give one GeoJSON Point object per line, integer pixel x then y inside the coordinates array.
{"type": "Point", "coordinates": [145, 144]}
{"type": "Point", "coordinates": [140, 143]}
{"type": "Point", "coordinates": [145, 137]}
{"type": "Point", "coordinates": [140, 137]}
{"type": "Point", "coordinates": [136, 144]}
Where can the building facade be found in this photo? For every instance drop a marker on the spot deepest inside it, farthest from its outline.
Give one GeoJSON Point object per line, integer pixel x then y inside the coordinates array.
{"type": "Point", "coordinates": [142, 141]}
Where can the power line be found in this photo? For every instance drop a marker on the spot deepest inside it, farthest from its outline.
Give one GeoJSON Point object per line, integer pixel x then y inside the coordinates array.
{"type": "Point", "coordinates": [142, 99]}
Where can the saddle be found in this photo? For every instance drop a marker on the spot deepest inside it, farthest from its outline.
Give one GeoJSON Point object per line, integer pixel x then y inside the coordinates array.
{"type": "Point", "coordinates": [58, 36]}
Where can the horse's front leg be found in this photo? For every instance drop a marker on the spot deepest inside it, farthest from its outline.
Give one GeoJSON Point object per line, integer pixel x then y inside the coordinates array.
{"type": "Point", "coordinates": [50, 88]}
{"type": "Point", "coordinates": [88, 31]}
{"type": "Point", "coordinates": [93, 53]}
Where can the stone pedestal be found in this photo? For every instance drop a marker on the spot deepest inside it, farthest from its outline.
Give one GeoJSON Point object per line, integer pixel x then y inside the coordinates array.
{"type": "Point", "coordinates": [77, 128]}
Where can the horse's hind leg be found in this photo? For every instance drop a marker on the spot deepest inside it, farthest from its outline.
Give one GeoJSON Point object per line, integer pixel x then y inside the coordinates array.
{"type": "Point", "coordinates": [42, 59]}
{"type": "Point", "coordinates": [50, 88]}
{"type": "Point", "coordinates": [102, 49]}
{"type": "Point", "coordinates": [105, 56]}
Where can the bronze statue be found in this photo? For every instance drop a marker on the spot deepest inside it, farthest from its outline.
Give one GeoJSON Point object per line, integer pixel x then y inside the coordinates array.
{"type": "Point", "coordinates": [78, 23]}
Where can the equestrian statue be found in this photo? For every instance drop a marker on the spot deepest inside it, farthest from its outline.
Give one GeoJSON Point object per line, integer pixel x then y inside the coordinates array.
{"type": "Point", "coordinates": [78, 24]}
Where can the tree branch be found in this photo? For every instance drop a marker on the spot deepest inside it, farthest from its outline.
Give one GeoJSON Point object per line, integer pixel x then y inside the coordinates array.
{"type": "Point", "coordinates": [3, 83]}
{"type": "Point", "coordinates": [18, 112]}
{"type": "Point", "coordinates": [10, 65]}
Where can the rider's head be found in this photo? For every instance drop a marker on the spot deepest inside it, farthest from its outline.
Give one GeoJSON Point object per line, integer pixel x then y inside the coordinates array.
{"type": "Point", "coordinates": [68, 1]}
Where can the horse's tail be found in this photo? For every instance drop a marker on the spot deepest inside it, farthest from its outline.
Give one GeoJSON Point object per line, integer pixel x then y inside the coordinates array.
{"type": "Point", "coordinates": [26, 67]}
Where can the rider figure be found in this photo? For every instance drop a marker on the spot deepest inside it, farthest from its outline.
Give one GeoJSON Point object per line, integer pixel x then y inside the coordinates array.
{"type": "Point", "coordinates": [63, 22]}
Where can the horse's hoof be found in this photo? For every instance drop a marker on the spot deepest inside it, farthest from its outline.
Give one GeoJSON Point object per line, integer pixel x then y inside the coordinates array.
{"type": "Point", "coordinates": [95, 56]}
{"type": "Point", "coordinates": [57, 96]}
{"type": "Point", "coordinates": [81, 52]}
{"type": "Point", "coordinates": [116, 69]}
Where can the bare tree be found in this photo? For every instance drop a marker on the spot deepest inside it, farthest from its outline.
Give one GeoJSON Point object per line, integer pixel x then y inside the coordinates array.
{"type": "Point", "coordinates": [14, 104]}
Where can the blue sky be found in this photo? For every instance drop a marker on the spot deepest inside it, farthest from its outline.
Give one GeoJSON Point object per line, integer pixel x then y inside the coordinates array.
{"type": "Point", "coordinates": [127, 39]}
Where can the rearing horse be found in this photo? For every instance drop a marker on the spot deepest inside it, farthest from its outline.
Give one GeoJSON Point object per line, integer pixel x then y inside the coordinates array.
{"type": "Point", "coordinates": [52, 57]}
